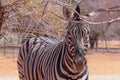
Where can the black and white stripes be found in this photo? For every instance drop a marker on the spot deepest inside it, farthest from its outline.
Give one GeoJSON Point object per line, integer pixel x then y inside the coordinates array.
{"type": "Point", "coordinates": [41, 59]}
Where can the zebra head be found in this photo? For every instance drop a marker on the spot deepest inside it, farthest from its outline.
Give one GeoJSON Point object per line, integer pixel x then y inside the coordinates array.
{"type": "Point", "coordinates": [76, 29]}
{"type": "Point", "coordinates": [76, 36]}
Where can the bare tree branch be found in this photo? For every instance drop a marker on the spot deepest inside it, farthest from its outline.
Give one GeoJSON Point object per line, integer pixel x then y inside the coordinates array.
{"type": "Point", "coordinates": [15, 3]}
{"type": "Point", "coordinates": [45, 8]}
{"type": "Point", "coordinates": [104, 22]}
{"type": "Point", "coordinates": [82, 17]}
{"type": "Point", "coordinates": [86, 21]}
{"type": "Point", "coordinates": [109, 10]}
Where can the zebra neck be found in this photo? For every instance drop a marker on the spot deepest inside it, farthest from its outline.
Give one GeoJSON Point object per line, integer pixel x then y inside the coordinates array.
{"type": "Point", "coordinates": [68, 60]}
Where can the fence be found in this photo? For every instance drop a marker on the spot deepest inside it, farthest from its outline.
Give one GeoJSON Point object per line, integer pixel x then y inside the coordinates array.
{"type": "Point", "coordinates": [9, 48]}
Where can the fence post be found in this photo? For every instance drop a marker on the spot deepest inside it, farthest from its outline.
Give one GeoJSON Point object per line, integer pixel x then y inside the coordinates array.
{"type": "Point", "coordinates": [4, 46]}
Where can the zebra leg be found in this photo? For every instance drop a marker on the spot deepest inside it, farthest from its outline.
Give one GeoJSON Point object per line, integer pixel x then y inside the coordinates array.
{"type": "Point", "coordinates": [91, 43]}
{"type": "Point", "coordinates": [96, 44]}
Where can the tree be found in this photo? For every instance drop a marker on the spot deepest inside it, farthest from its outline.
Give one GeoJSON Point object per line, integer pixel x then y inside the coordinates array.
{"type": "Point", "coordinates": [1, 16]}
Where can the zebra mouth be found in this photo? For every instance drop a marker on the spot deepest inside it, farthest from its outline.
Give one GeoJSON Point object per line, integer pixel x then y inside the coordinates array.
{"type": "Point", "coordinates": [78, 65]}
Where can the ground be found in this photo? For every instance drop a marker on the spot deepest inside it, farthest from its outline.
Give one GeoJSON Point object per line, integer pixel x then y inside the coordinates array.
{"type": "Point", "coordinates": [102, 65]}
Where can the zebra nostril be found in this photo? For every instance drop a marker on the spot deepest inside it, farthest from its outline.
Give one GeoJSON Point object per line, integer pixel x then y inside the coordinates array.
{"type": "Point", "coordinates": [85, 50]}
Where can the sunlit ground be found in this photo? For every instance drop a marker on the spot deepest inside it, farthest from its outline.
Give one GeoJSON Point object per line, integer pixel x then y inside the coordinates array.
{"type": "Point", "coordinates": [102, 65]}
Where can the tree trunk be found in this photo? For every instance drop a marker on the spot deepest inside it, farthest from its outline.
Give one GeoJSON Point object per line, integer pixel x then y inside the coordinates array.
{"type": "Point", "coordinates": [1, 16]}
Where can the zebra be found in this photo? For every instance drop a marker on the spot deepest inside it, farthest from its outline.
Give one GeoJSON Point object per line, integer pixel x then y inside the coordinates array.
{"type": "Point", "coordinates": [39, 59]}
{"type": "Point", "coordinates": [93, 39]}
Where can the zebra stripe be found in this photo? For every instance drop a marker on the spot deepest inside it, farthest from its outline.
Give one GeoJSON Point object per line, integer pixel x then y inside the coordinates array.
{"type": "Point", "coordinates": [86, 38]}
{"type": "Point", "coordinates": [45, 59]}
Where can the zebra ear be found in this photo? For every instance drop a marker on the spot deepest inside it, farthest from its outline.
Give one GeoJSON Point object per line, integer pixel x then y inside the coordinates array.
{"type": "Point", "coordinates": [78, 9]}
{"type": "Point", "coordinates": [67, 12]}
{"type": "Point", "coordinates": [78, 12]}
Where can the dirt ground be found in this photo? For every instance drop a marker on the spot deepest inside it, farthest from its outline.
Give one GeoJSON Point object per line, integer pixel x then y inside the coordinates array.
{"type": "Point", "coordinates": [102, 65]}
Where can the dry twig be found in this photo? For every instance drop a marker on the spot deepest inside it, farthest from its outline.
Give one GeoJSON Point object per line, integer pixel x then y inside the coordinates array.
{"type": "Point", "coordinates": [109, 10]}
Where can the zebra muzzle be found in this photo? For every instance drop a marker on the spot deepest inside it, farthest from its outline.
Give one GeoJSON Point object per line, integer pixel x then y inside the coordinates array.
{"type": "Point", "coordinates": [79, 62]}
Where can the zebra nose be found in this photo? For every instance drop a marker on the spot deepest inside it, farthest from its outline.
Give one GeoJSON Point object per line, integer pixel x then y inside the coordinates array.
{"type": "Point", "coordinates": [81, 51]}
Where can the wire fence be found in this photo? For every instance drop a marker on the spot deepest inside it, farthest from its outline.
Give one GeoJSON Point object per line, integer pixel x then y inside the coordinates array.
{"type": "Point", "coordinates": [9, 48]}
{"type": "Point", "coordinates": [10, 51]}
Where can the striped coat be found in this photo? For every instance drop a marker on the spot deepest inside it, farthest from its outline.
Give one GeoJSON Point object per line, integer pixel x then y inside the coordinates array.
{"type": "Point", "coordinates": [39, 59]}
{"type": "Point", "coordinates": [40, 63]}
